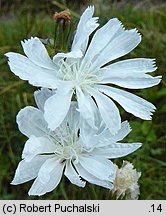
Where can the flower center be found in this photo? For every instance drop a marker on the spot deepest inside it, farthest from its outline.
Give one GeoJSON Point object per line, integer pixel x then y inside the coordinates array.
{"type": "Point", "coordinates": [66, 143]}
{"type": "Point", "coordinates": [81, 76]}
{"type": "Point", "coordinates": [70, 152]}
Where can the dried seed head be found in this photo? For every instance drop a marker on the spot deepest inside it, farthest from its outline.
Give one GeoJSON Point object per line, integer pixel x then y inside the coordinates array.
{"type": "Point", "coordinates": [64, 16]}
{"type": "Point", "coordinates": [126, 182]}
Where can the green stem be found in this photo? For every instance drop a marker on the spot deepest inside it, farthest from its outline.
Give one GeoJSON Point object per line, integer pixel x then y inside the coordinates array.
{"type": "Point", "coordinates": [63, 191]}
{"type": "Point", "coordinates": [93, 193]}
{"type": "Point", "coordinates": [55, 34]}
{"type": "Point", "coordinates": [61, 35]}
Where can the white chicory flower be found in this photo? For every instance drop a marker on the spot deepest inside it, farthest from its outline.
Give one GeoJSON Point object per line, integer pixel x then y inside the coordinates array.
{"type": "Point", "coordinates": [126, 182]}
{"type": "Point", "coordinates": [81, 153]}
{"type": "Point", "coordinates": [83, 72]}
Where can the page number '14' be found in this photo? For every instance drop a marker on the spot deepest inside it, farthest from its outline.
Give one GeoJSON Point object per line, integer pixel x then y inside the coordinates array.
{"type": "Point", "coordinates": [155, 208]}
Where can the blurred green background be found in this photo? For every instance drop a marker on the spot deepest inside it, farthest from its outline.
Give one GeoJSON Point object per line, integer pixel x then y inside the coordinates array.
{"type": "Point", "coordinates": [23, 19]}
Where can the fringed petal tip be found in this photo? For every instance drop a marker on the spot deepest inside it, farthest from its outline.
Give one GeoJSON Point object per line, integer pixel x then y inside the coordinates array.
{"type": "Point", "coordinates": [125, 124]}
{"type": "Point", "coordinates": [90, 8]}
{"type": "Point", "coordinates": [9, 54]}
{"type": "Point", "coordinates": [13, 182]}
{"type": "Point", "coordinates": [31, 39]}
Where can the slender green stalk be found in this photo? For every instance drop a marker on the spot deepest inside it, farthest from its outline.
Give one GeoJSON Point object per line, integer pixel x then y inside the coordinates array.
{"type": "Point", "coordinates": [63, 191]}
{"type": "Point", "coordinates": [55, 34]}
{"type": "Point", "coordinates": [93, 193]}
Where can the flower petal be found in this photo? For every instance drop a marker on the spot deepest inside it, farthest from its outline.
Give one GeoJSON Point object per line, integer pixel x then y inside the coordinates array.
{"type": "Point", "coordinates": [30, 121]}
{"type": "Point", "coordinates": [41, 96]}
{"type": "Point", "coordinates": [140, 82]}
{"type": "Point", "coordinates": [130, 73]}
{"type": "Point", "coordinates": [73, 176]}
{"type": "Point", "coordinates": [101, 39]}
{"type": "Point", "coordinates": [99, 167]}
{"type": "Point", "coordinates": [130, 102]}
{"type": "Point", "coordinates": [86, 107]}
{"type": "Point", "coordinates": [122, 133]}
{"type": "Point", "coordinates": [117, 150]}
{"type": "Point", "coordinates": [86, 26]}
{"type": "Point", "coordinates": [37, 145]}
{"type": "Point", "coordinates": [91, 178]}
{"type": "Point", "coordinates": [73, 117]}
{"type": "Point", "coordinates": [108, 110]}
{"type": "Point", "coordinates": [90, 130]}
{"type": "Point", "coordinates": [105, 138]}
{"type": "Point", "coordinates": [57, 107]}
{"type": "Point", "coordinates": [28, 170]}
{"type": "Point", "coordinates": [135, 65]}
{"type": "Point", "coordinates": [121, 45]}
{"type": "Point", "coordinates": [48, 178]}
{"type": "Point", "coordinates": [38, 76]}
{"type": "Point", "coordinates": [37, 53]}
{"type": "Point", "coordinates": [73, 54]}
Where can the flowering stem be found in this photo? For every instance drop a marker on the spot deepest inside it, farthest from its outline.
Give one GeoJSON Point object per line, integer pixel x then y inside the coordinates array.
{"type": "Point", "coordinates": [63, 191]}
{"type": "Point", "coordinates": [61, 35]}
{"type": "Point", "coordinates": [67, 35]}
{"type": "Point", "coordinates": [110, 196]}
{"type": "Point", "coordinates": [55, 34]}
{"type": "Point", "coordinates": [93, 193]}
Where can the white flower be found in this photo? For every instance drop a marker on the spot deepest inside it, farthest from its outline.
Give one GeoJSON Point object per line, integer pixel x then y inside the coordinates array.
{"type": "Point", "coordinates": [83, 72]}
{"type": "Point", "coordinates": [126, 182]}
{"type": "Point", "coordinates": [82, 154]}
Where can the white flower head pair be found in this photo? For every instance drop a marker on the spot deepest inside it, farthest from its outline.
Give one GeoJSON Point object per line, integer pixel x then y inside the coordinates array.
{"type": "Point", "coordinates": [80, 136]}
